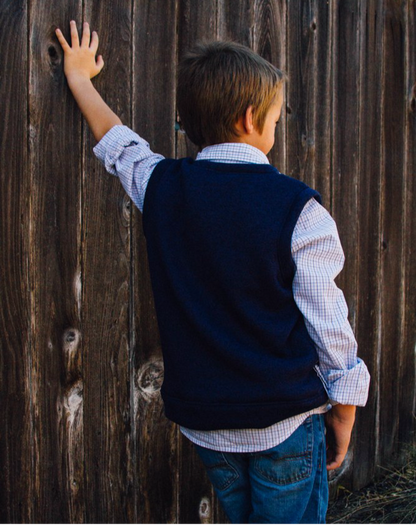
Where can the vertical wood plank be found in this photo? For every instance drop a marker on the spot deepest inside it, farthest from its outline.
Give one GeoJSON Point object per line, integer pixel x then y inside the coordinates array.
{"type": "Point", "coordinates": [236, 20]}
{"type": "Point", "coordinates": [407, 392]}
{"type": "Point", "coordinates": [83, 437]}
{"type": "Point", "coordinates": [321, 28]}
{"type": "Point", "coordinates": [106, 285]}
{"type": "Point", "coordinates": [54, 209]}
{"type": "Point", "coordinates": [345, 158]}
{"type": "Point", "coordinates": [393, 124]}
{"type": "Point", "coordinates": [153, 106]}
{"type": "Point", "coordinates": [301, 56]}
{"type": "Point", "coordinates": [196, 21]}
{"type": "Point", "coordinates": [269, 41]}
{"type": "Point", "coordinates": [16, 472]}
{"type": "Point", "coordinates": [368, 324]}
{"type": "Point", "coordinates": [309, 94]}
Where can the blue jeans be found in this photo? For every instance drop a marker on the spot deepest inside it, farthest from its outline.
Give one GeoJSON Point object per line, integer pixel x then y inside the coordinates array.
{"type": "Point", "coordinates": [287, 483]}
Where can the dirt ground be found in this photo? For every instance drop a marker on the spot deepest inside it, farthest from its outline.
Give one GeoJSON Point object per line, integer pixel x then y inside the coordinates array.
{"type": "Point", "coordinates": [391, 499]}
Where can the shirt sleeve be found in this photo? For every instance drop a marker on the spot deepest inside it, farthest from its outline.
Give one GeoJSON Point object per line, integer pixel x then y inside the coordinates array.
{"type": "Point", "coordinates": [319, 258]}
{"type": "Point", "coordinates": [128, 156]}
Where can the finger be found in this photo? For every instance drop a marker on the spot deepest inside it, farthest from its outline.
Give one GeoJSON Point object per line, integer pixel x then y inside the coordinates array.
{"type": "Point", "coordinates": [74, 34]}
{"type": "Point", "coordinates": [85, 41]}
{"type": "Point", "coordinates": [100, 62]}
{"type": "Point", "coordinates": [335, 462]}
{"type": "Point", "coordinates": [94, 41]}
{"type": "Point", "coordinates": [61, 39]}
{"type": "Point", "coordinates": [332, 465]}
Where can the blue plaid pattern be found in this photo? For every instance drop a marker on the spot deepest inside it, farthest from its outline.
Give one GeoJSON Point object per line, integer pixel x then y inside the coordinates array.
{"type": "Point", "coordinates": [319, 258]}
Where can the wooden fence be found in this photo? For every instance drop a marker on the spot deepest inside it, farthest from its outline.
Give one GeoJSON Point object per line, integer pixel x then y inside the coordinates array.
{"type": "Point", "coordinates": [83, 437]}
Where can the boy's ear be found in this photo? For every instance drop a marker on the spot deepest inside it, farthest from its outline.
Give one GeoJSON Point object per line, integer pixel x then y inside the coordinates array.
{"type": "Point", "coordinates": [248, 120]}
{"type": "Point", "coordinates": [244, 125]}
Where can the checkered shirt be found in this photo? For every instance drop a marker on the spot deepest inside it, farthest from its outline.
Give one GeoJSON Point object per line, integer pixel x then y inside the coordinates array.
{"type": "Point", "coordinates": [319, 258]}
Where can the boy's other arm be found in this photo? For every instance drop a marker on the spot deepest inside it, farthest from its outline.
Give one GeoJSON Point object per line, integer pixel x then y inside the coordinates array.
{"type": "Point", "coordinates": [79, 68]}
{"type": "Point", "coordinates": [319, 258]}
{"type": "Point", "coordinates": [339, 422]}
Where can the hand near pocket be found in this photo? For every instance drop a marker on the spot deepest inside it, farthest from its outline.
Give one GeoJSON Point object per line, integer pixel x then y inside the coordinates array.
{"type": "Point", "coordinates": [339, 422]}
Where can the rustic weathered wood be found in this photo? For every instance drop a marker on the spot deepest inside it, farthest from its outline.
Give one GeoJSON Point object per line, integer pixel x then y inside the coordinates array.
{"type": "Point", "coordinates": [17, 468]}
{"type": "Point", "coordinates": [345, 155]}
{"type": "Point", "coordinates": [300, 44]}
{"type": "Point", "coordinates": [236, 20]}
{"type": "Point", "coordinates": [322, 31]}
{"type": "Point", "coordinates": [407, 380]}
{"type": "Point", "coordinates": [309, 94]}
{"type": "Point", "coordinates": [309, 98]}
{"type": "Point", "coordinates": [83, 437]}
{"type": "Point", "coordinates": [368, 321]}
{"type": "Point", "coordinates": [197, 21]}
{"type": "Point", "coordinates": [54, 235]}
{"type": "Point", "coordinates": [106, 285]}
{"type": "Point", "coordinates": [393, 185]}
{"type": "Point", "coordinates": [269, 40]}
{"type": "Point", "coordinates": [153, 107]}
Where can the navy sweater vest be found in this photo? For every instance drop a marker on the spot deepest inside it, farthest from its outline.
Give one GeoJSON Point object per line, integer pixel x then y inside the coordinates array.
{"type": "Point", "coordinates": [235, 347]}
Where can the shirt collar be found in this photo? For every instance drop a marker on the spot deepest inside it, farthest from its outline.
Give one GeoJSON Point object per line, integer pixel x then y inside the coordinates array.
{"type": "Point", "coordinates": [233, 152]}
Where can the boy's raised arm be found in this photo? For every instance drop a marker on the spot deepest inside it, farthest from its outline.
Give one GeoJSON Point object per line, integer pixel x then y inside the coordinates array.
{"type": "Point", "coordinates": [79, 68]}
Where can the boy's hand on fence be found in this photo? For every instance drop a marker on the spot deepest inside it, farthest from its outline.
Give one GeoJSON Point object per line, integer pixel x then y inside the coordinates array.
{"type": "Point", "coordinates": [338, 422]}
{"type": "Point", "coordinates": [79, 60]}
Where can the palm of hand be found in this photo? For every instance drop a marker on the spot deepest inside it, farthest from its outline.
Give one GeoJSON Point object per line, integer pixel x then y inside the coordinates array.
{"type": "Point", "coordinates": [79, 59]}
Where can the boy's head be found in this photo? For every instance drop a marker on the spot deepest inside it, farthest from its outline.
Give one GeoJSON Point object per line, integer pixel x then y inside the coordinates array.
{"type": "Point", "coordinates": [221, 84]}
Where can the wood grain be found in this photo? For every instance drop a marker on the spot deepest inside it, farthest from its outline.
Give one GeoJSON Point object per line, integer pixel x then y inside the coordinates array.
{"type": "Point", "coordinates": [106, 287]}
{"type": "Point", "coordinates": [16, 416]}
{"type": "Point", "coordinates": [393, 185]}
{"type": "Point", "coordinates": [300, 52]}
{"type": "Point", "coordinates": [407, 383]}
{"type": "Point", "coordinates": [54, 236]}
{"type": "Point", "coordinates": [153, 110]}
{"type": "Point", "coordinates": [83, 436]}
{"type": "Point", "coordinates": [269, 41]}
{"type": "Point", "coordinates": [368, 321]}
{"type": "Point", "coordinates": [309, 59]}
{"type": "Point", "coordinates": [345, 156]}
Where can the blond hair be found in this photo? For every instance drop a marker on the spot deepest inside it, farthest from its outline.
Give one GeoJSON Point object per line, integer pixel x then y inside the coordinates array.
{"type": "Point", "coordinates": [217, 82]}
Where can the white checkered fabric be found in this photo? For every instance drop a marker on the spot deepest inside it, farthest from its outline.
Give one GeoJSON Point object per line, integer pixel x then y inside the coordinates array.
{"type": "Point", "coordinates": [319, 258]}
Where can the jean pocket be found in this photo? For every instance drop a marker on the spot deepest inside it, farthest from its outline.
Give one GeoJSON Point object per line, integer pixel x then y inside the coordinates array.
{"type": "Point", "coordinates": [220, 472]}
{"type": "Point", "coordinates": [291, 460]}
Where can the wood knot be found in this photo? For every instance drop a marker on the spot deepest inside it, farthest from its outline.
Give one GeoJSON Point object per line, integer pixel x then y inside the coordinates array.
{"type": "Point", "coordinates": [73, 402]}
{"type": "Point", "coordinates": [53, 55]}
{"type": "Point", "coordinates": [413, 98]}
{"type": "Point", "coordinates": [52, 52]}
{"type": "Point", "coordinates": [307, 142]}
{"type": "Point", "coordinates": [126, 208]}
{"type": "Point", "coordinates": [71, 338]}
{"type": "Point", "coordinates": [205, 510]}
{"type": "Point", "coordinates": [150, 379]}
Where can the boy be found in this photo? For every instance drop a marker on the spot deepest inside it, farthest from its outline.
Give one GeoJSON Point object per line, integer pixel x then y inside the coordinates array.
{"type": "Point", "coordinates": [255, 338]}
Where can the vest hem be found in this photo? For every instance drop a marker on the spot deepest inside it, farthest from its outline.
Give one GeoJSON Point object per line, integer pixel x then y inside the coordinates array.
{"type": "Point", "coordinates": [220, 416]}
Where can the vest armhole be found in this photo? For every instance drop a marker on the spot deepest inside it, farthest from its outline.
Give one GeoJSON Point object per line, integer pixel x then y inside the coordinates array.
{"type": "Point", "coordinates": [287, 264]}
{"type": "Point", "coordinates": [155, 176]}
